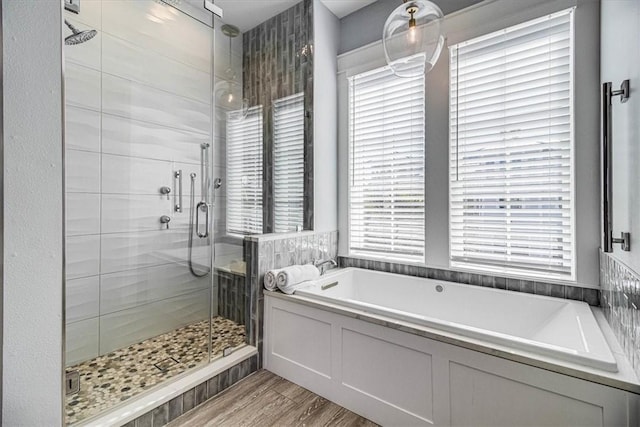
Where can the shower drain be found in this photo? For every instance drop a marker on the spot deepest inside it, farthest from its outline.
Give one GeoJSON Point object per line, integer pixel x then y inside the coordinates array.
{"type": "Point", "coordinates": [166, 364]}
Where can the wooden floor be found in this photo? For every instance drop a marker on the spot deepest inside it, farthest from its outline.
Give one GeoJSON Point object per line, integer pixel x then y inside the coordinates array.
{"type": "Point", "coordinates": [265, 399]}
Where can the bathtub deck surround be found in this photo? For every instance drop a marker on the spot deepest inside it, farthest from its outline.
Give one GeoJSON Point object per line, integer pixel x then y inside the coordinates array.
{"type": "Point", "coordinates": [395, 367]}
{"type": "Point", "coordinates": [562, 329]}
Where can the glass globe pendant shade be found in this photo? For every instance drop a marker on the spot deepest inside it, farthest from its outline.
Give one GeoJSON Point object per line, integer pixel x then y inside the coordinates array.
{"type": "Point", "coordinates": [229, 99]}
{"type": "Point", "coordinates": [412, 38]}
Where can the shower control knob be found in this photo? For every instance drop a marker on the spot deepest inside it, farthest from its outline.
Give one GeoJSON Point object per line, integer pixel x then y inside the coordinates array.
{"type": "Point", "coordinates": [165, 219]}
{"type": "Point", "coordinates": [165, 190]}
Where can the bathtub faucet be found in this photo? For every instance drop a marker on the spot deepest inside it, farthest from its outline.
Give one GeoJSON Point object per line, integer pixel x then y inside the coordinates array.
{"type": "Point", "coordinates": [322, 263]}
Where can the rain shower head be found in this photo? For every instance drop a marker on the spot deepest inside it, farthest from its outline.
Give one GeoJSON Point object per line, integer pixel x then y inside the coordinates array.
{"type": "Point", "coordinates": [78, 36]}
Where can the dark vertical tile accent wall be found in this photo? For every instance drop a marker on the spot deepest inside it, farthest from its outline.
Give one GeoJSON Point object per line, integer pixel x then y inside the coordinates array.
{"type": "Point", "coordinates": [620, 301]}
{"type": "Point", "coordinates": [267, 253]}
{"type": "Point", "coordinates": [233, 295]}
{"type": "Point", "coordinates": [590, 296]}
{"type": "Point", "coordinates": [278, 62]}
{"type": "Point", "coordinates": [196, 396]}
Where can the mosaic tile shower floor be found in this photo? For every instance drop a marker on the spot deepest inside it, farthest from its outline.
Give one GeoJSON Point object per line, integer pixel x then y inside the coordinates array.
{"type": "Point", "coordinates": [117, 376]}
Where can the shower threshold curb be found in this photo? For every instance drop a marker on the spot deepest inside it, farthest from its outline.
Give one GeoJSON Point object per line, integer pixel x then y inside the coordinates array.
{"type": "Point", "coordinates": [147, 402]}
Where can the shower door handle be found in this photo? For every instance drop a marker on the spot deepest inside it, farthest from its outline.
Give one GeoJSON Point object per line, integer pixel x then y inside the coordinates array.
{"type": "Point", "coordinates": [177, 196]}
{"type": "Point", "coordinates": [205, 207]}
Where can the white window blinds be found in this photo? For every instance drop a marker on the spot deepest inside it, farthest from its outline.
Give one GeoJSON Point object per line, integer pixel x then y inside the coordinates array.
{"type": "Point", "coordinates": [386, 165]}
{"type": "Point", "coordinates": [511, 143]}
{"type": "Point", "coordinates": [288, 162]}
{"type": "Point", "coordinates": [244, 173]}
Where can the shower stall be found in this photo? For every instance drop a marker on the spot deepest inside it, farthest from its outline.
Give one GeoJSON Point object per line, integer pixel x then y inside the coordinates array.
{"type": "Point", "coordinates": [154, 288]}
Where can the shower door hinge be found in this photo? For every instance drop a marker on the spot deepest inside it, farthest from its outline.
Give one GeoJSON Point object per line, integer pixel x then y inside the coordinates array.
{"type": "Point", "coordinates": [72, 382]}
{"type": "Point", "coordinates": [72, 5]}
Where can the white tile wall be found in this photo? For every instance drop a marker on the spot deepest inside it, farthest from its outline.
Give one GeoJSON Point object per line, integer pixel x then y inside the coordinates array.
{"type": "Point", "coordinates": [132, 175]}
{"type": "Point", "coordinates": [128, 289]}
{"type": "Point", "coordinates": [126, 98]}
{"type": "Point", "coordinates": [122, 213]}
{"type": "Point", "coordinates": [82, 86]}
{"type": "Point", "coordinates": [82, 129]}
{"type": "Point", "coordinates": [129, 326]}
{"type": "Point", "coordinates": [161, 29]}
{"type": "Point", "coordinates": [135, 63]}
{"type": "Point", "coordinates": [82, 171]}
{"type": "Point", "coordinates": [82, 256]}
{"type": "Point", "coordinates": [82, 299]}
{"type": "Point", "coordinates": [81, 340]}
{"type": "Point", "coordinates": [154, 141]}
{"type": "Point", "coordinates": [127, 251]}
{"type": "Point", "coordinates": [82, 213]}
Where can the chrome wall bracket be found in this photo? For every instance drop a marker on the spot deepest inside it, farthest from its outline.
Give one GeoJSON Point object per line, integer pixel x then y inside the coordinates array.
{"type": "Point", "coordinates": [72, 5]}
{"type": "Point", "coordinates": [623, 92]}
{"type": "Point", "coordinates": [625, 240]}
{"type": "Point", "coordinates": [216, 10]}
{"type": "Point", "coordinates": [607, 167]}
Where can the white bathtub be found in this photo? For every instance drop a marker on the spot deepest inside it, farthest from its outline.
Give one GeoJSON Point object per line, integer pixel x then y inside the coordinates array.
{"type": "Point", "coordinates": [562, 329]}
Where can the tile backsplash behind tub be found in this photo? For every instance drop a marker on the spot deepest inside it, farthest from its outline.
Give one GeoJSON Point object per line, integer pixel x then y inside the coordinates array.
{"type": "Point", "coordinates": [270, 251]}
{"type": "Point", "coordinates": [620, 300]}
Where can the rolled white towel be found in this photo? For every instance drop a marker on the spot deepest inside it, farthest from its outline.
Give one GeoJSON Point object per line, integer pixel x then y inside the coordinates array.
{"type": "Point", "coordinates": [270, 279]}
{"type": "Point", "coordinates": [289, 278]}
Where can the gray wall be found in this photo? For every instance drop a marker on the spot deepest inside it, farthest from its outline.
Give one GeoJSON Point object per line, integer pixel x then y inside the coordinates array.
{"type": "Point", "coordinates": [325, 126]}
{"type": "Point", "coordinates": [33, 292]}
{"type": "Point", "coordinates": [621, 60]}
{"type": "Point", "coordinates": [365, 25]}
{"type": "Point", "coordinates": [484, 19]}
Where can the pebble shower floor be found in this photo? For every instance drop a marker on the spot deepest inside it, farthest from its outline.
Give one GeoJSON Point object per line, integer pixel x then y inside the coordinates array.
{"type": "Point", "coordinates": [110, 379]}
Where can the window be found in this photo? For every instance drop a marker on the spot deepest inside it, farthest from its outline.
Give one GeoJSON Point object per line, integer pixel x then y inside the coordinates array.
{"type": "Point", "coordinates": [511, 150]}
{"type": "Point", "coordinates": [288, 173]}
{"type": "Point", "coordinates": [244, 173]}
{"type": "Point", "coordinates": [386, 165]}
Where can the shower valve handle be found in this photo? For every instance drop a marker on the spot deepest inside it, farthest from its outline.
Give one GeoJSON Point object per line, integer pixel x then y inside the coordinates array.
{"type": "Point", "coordinates": [165, 219]}
{"type": "Point", "coordinates": [165, 190]}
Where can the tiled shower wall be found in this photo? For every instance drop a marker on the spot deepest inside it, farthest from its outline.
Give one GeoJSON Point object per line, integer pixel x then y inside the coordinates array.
{"type": "Point", "coordinates": [620, 299]}
{"type": "Point", "coordinates": [266, 252]}
{"type": "Point", "coordinates": [138, 106]}
{"type": "Point", "coordinates": [278, 62]}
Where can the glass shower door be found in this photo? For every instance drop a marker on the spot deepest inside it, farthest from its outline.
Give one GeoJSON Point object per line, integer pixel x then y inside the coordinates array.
{"type": "Point", "coordinates": [140, 291]}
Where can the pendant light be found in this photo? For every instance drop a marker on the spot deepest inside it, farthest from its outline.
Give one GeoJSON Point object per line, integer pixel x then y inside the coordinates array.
{"type": "Point", "coordinates": [412, 38]}
{"type": "Point", "coordinates": [228, 91]}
